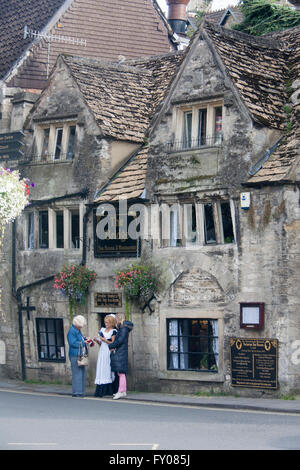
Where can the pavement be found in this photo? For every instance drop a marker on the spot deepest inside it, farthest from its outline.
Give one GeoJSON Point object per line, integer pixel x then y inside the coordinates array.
{"type": "Point", "coordinates": [233, 403]}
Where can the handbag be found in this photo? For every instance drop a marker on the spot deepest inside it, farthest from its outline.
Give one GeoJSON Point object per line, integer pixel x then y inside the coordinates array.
{"type": "Point", "coordinates": [83, 359]}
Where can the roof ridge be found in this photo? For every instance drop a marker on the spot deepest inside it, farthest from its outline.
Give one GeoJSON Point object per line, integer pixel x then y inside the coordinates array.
{"type": "Point", "coordinates": [103, 64]}
{"type": "Point", "coordinates": [264, 41]}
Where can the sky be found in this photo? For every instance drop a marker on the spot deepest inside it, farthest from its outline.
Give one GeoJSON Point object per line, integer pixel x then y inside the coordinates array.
{"type": "Point", "coordinates": [216, 4]}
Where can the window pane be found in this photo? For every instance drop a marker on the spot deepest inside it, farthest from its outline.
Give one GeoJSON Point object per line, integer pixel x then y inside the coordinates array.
{"type": "Point", "coordinates": [175, 239]}
{"type": "Point", "coordinates": [58, 142]}
{"type": "Point", "coordinates": [43, 229]}
{"type": "Point", "coordinates": [59, 229]}
{"type": "Point", "coordinates": [218, 124]}
{"type": "Point", "coordinates": [30, 232]}
{"type": "Point", "coordinates": [71, 143]}
{"type": "Point", "coordinates": [187, 129]}
{"type": "Point", "coordinates": [190, 224]}
{"type": "Point", "coordinates": [45, 146]}
{"type": "Point", "coordinates": [209, 224]}
{"type": "Point", "coordinates": [227, 222]}
{"type": "Point", "coordinates": [202, 127]}
{"type": "Point", "coordinates": [192, 344]}
{"type": "Point", "coordinates": [50, 339]}
{"type": "Point", "coordinates": [75, 229]}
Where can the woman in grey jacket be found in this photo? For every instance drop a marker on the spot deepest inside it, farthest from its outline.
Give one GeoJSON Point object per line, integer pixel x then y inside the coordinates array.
{"type": "Point", "coordinates": [119, 355]}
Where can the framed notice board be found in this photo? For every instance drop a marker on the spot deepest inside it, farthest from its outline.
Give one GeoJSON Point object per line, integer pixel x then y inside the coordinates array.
{"type": "Point", "coordinates": [254, 363]}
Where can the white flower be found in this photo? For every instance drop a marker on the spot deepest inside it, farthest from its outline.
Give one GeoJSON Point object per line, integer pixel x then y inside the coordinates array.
{"type": "Point", "coordinates": [13, 195]}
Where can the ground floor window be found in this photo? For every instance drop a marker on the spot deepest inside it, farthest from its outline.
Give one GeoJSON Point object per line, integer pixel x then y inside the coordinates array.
{"type": "Point", "coordinates": [192, 344]}
{"type": "Point", "coordinates": [50, 339]}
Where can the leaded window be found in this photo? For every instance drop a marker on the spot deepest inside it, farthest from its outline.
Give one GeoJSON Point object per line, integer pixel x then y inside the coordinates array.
{"type": "Point", "coordinates": [50, 339]}
{"type": "Point", "coordinates": [192, 344]}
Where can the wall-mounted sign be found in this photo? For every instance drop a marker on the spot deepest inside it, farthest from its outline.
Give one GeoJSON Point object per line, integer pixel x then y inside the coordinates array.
{"type": "Point", "coordinates": [11, 136]}
{"type": "Point", "coordinates": [11, 154]}
{"type": "Point", "coordinates": [254, 362]}
{"type": "Point", "coordinates": [10, 144]}
{"type": "Point", "coordinates": [252, 315]}
{"type": "Point", "coordinates": [108, 299]}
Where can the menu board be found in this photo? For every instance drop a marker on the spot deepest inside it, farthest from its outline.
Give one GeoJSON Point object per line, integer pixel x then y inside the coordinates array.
{"type": "Point", "coordinates": [254, 362]}
{"type": "Point", "coordinates": [108, 299]}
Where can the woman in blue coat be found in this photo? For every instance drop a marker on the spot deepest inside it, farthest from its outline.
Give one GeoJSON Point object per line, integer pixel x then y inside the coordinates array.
{"type": "Point", "coordinates": [77, 343]}
{"type": "Point", "coordinates": [119, 355]}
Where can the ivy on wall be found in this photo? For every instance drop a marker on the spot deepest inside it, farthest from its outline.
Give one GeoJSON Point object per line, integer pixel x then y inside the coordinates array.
{"type": "Point", "coordinates": [263, 16]}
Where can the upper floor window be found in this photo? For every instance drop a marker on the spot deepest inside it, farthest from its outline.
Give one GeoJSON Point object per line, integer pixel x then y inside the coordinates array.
{"type": "Point", "coordinates": [53, 228]}
{"type": "Point", "coordinates": [204, 223]}
{"type": "Point", "coordinates": [56, 141]}
{"type": "Point", "coordinates": [198, 126]}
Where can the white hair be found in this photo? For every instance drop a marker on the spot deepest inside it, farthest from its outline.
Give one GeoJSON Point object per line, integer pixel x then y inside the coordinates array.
{"type": "Point", "coordinates": [79, 321]}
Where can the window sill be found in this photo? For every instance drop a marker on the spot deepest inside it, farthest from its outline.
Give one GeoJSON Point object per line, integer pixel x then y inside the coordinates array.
{"type": "Point", "coordinates": [51, 162]}
{"type": "Point", "coordinates": [59, 250]}
{"type": "Point", "coordinates": [198, 246]}
{"type": "Point", "coordinates": [192, 376]}
{"type": "Point", "coordinates": [195, 150]}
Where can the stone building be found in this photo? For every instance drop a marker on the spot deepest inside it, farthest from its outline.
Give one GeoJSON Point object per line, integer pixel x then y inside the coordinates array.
{"type": "Point", "coordinates": [222, 189]}
{"type": "Point", "coordinates": [208, 141]}
{"type": "Point", "coordinates": [90, 119]}
{"type": "Point", "coordinates": [32, 34]}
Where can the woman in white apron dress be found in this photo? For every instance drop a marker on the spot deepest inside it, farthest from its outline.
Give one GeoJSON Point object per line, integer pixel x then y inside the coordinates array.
{"type": "Point", "coordinates": [104, 376]}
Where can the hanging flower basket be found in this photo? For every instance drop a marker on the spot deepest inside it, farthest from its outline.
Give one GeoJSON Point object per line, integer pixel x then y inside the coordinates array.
{"type": "Point", "coordinates": [14, 197]}
{"type": "Point", "coordinates": [14, 194]}
{"type": "Point", "coordinates": [74, 281]}
{"type": "Point", "coordinates": [138, 282]}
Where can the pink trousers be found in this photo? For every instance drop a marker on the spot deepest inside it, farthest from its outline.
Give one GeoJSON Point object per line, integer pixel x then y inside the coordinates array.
{"type": "Point", "coordinates": [122, 383]}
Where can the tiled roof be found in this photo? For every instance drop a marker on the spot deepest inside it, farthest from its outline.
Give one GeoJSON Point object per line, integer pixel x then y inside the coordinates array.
{"type": "Point", "coordinates": [129, 182]}
{"type": "Point", "coordinates": [132, 28]}
{"type": "Point", "coordinates": [283, 162]}
{"type": "Point", "coordinates": [123, 98]}
{"type": "Point", "coordinates": [218, 15]}
{"type": "Point", "coordinates": [14, 15]}
{"type": "Point", "coordinates": [258, 67]}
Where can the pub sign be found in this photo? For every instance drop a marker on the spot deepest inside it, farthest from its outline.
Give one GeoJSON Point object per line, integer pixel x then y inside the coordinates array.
{"type": "Point", "coordinates": [254, 363]}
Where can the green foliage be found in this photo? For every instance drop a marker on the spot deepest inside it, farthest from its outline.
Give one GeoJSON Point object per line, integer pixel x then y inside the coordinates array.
{"type": "Point", "coordinates": [263, 16]}
{"type": "Point", "coordinates": [137, 281]}
{"type": "Point", "coordinates": [73, 282]}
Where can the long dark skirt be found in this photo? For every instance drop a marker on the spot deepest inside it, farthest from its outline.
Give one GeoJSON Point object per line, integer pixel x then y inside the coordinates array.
{"type": "Point", "coordinates": [107, 389]}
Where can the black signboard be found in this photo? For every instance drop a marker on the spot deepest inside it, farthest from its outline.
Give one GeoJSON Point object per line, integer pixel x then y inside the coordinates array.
{"type": "Point", "coordinates": [11, 136]}
{"type": "Point", "coordinates": [10, 144]}
{"type": "Point", "coordinates": [11, 154]}
{"type": "Point", "coordinates": [254, 362]}
{"type": "Point", "coordinates": [108, 299]}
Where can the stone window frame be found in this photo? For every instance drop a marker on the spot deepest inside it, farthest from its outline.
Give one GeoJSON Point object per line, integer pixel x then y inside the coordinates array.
{"type": "Point", "coordinates": [67, 210]}
{"type": "Point", "coordinates": [53, 126]}
{"type": "Point", "coordinates": [211, 138]}
{"type": "Point", "coordinates": [183, 224]}
{"type": "Point", "coordinates": [181, 344]}
{"type": "Point", "coordinates": [48, 339]}
{"type": "Point", "coordinates": [169, 313]}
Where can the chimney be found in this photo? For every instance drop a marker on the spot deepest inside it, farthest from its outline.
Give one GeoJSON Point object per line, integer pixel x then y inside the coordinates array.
{"type": "Point", "coordinates": [177, 15]}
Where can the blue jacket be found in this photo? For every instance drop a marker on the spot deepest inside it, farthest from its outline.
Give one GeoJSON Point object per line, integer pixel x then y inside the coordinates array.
{"type": "Point", "coordinates": [75, 337]}
{"type": "Point", "coordinates": [119, 357]}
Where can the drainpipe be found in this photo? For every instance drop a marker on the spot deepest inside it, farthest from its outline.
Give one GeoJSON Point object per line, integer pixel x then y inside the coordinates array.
{"type": "Point", "coordinates": [84, 238]}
